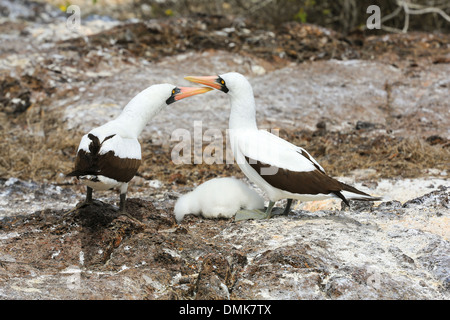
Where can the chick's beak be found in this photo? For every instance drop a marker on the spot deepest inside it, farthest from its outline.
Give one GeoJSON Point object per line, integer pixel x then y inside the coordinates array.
{"type": "Point", "coordinates": [210, 81]}
{"type": "Point", "coordinates": [189, 92]}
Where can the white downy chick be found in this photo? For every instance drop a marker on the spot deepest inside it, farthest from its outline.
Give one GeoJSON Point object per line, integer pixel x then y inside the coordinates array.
{"type": "Point", "coordinates": [218, 198]}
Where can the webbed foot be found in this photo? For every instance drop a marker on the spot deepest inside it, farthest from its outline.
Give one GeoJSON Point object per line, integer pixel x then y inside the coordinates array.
{"type": "Point", "coordinates": [246, 214]}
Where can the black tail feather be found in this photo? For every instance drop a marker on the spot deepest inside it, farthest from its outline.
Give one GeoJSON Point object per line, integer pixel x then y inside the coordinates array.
{"type": "Point", "coordinates": [341, 196]}
{"type": "Point", "coordinates": [348, 188]}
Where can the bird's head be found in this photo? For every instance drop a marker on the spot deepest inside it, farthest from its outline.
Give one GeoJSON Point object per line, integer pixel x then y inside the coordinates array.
{"type": "Point", "coordinates": [240, 93]}
{"type": "Point", "coordinates": [152, 100]}
{"type": "Point", "coordinates": [231, 83]}
{"type": "Point", "coordinates": [170, 93]}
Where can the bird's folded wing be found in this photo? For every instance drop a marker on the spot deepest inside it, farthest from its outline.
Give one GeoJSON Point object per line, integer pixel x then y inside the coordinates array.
{"type": "Point", "coordinates": [285, 166]}
{"type": "Point", "coordinates": [271, 150]}
{"type": "Point", "coordinates": [122, 147]}
{"type": "Point", "coordinates": [288, 145]}
{"type": "Point", "coordinates": [114, 157]}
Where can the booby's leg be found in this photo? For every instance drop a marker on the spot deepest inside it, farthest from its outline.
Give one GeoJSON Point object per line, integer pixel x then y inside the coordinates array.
{"type": "Point", "coordinates": [88, 195]}
{"type": "Point", "coordinates": [89, 199]}
{"type": "Point", "coordinates": [287, 209]}
{"type": "Point", "coordinates": [83, 204]}
{"type": "Point", "coordinates": [269, 209]}
{"type": "Point", "coordinates": [122, 209]}
{"type": "Point", "coordinates": [123, 197]}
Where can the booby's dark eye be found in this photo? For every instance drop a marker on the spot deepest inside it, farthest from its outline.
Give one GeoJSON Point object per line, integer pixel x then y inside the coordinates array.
{"type": "Point", "coordinates": [172, 96]}
{"type": "Point", "coordinates": [222, 84]}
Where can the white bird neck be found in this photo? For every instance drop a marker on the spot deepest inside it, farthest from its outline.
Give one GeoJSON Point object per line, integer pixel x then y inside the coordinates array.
{"type": "Point", "coordinates": [243, 113]}
{"type": "Point", "coordinates": [137, 113]}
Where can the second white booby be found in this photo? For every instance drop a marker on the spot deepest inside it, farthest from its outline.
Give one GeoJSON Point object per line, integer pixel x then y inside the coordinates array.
{"type": "Point", "coordinates": [109, 156]}
{"type": "Point", "coordinates": [281, 169]}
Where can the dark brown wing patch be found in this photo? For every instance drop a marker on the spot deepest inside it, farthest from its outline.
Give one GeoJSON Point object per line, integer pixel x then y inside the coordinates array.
{"type": "Point", "coordinates": [310, 182]}
{"type": "Point", "coordinates": [348, 188]}
{"type": "Point", "coordinates": [120, 169]}
{"type": "Point", "coordinates": [108, 164]}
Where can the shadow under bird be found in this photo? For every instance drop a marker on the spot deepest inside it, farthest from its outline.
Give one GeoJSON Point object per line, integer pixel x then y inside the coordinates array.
{"type": "Point", "coordinates": [109, 156]}
{"type": "Point", "coordinates": [281, 169]}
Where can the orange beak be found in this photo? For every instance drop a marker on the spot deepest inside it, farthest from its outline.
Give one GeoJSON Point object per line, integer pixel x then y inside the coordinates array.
{"type": "Point", "coordinates": [189, 92]}
{"type": "Point", "coordinates": [210, 81]}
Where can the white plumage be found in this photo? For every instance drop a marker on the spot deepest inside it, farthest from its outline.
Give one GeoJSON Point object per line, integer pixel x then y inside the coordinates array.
{"type": "Point", "coordinates": [109, 156]}
{"type": "Point", "coordinates": [281, 169]}
{"type": "Point", "coordinates": [218, 198]}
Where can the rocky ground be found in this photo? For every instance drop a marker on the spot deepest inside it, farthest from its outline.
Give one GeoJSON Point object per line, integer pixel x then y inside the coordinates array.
{"type": "Point", "coordinates": [373, 110]}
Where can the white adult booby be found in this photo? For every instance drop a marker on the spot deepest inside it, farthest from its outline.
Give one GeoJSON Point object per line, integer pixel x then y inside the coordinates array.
{"type": "Point", "coordinates": [109, 156]}
{"type": "Point", "coordinates": [281, 169]}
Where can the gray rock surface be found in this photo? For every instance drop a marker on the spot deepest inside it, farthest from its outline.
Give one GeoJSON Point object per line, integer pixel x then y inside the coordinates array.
{"type": "Point", "coordinates": [389, 251]}
{"type": "Point", "coordinates": [56, 83]}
